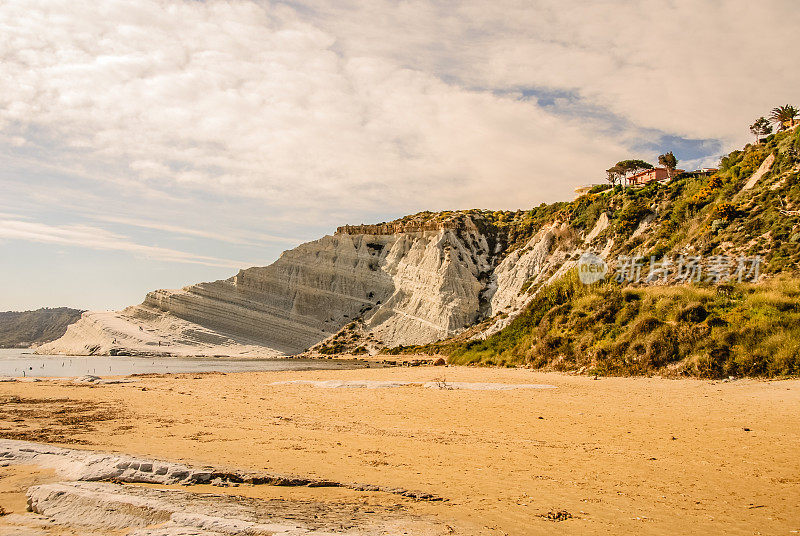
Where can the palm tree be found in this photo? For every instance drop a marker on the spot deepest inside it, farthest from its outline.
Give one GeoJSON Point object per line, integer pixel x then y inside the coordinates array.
{"type": "Point", "coordinates": [669, 161]}
{"type": "Point", "coordinates": [784, 114]}
{"type": "Point", "coordinates": [761, 128]}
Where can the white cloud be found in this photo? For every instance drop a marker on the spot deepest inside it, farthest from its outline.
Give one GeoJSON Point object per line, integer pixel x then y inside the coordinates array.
{"type": "Point", "coordinates": [241, 99]}
{"type": "Point", "coordinates": [397, 105]}
{"type": "Point", "coordinates": [239, 237]}
{"type": "Point", "coordinates": [99, 239]}
{"type": "Point", "coordinates": [699, 68]}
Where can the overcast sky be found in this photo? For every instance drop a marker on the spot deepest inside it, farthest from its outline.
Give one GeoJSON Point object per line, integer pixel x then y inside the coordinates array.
{"type": "Point", "coordinates": [152, 144]}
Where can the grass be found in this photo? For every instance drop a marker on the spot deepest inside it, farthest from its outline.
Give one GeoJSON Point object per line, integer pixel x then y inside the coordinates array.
{"type": "Point", "coordinates": [706, 331]}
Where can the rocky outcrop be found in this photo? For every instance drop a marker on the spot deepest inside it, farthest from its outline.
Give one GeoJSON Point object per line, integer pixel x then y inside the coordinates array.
{"type": "Point", "coordinates": [545, 257]}
{"type": "Point", "coordinates": [762, 170]}
{"type": "Point", "coordinates": [102, 507]}
{"type": "Point", "coordinates": [143, 330]}
{"type": "Point", "coordinates": [400, 227]}
{"type": "Point", "coordinates": [520, 269]}
{"type": "Point", "coordinates": [92, 466]}
{"type": "Point", "coordinates": [406, 283]}
{"type": "Point", "coordinates": [94, 500]}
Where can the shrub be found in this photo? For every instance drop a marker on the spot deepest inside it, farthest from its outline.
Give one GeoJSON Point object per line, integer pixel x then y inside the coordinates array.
{"type": "Point", "coordinates": [693, 312]}
{"type": "Point", "coordinates": [725, 211]}
{"type": "Point", "coordinates": [702, 197]}
{"type": "Point", "coordinates": [751, 162]}
{"type": "Point", "coordinates": [630, 216]}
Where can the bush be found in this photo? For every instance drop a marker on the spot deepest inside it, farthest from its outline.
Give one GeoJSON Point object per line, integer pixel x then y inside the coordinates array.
{"type": "Point", "coordinates": [630, 216]}
{"type": "Point", "coordinates": [694, 312]}
{"type": "Point", "coordinates": [751, 162]}
{"type": "Point", "coordinates": [725, 211]}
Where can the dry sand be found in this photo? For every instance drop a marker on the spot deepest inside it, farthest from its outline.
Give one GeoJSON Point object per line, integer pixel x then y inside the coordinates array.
{"type": "Point", "coordinates": [621, 455]}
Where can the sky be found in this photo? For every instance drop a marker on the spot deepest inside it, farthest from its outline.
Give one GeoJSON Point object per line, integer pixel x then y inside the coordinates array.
{"type": "Point", "coordinates": [158, 143]}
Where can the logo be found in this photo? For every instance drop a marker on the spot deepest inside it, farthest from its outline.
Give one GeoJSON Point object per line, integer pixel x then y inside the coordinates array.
{"type": "Point", "coordinates": [591, 268]}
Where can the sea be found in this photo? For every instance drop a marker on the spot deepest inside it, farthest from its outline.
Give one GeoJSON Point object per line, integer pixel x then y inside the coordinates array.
{"type": "Point", "coordinates": [19, 363]}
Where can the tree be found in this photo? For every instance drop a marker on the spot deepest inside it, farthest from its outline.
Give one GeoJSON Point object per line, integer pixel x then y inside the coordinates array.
{"type": "Point", "coordinates": [761, 128]}
{"type": "Point", "coordinates": [783, 115]}
{"type": "Point", "coordinates": [669, 161]}
{"type": "Point", "coordinates": [614, 174]}
{"type": "Point", "coordinates": [631, 167]}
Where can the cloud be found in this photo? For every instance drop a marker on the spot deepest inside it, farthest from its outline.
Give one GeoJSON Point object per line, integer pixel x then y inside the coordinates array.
{"type": "Point", "coordinates": [700, 69]}
{"type": "Point", "coordinates": [252, 239]}
{"type": "Point", "coordinates": [258, 101]}
{"type": "Point", "coordinates": [100, 239]}
{"type": "Point", "coordinates": [351, 109]}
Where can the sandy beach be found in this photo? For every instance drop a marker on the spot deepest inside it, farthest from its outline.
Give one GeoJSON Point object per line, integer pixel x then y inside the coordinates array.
{"type": "Point", "coordinates": [617, 455]}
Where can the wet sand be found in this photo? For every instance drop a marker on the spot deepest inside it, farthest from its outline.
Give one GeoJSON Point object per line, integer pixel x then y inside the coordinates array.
{"type": "Point", "coordinates": [620, 455]}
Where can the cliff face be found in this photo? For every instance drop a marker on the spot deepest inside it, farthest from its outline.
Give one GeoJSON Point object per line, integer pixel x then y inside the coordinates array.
{"type": "Point", "coordinates": [406, 284]}
{"type": "Point", "coordinates": [29, 328]}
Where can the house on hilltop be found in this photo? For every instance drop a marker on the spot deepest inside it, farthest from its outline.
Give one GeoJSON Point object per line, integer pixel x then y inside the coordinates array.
{"type": "Point", "coordinates": [660, 174]}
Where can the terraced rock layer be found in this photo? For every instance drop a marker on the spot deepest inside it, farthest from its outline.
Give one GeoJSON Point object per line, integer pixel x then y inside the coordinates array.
{"type": "Point", "coordinates": [100, 496]}
{"type": "Point", "coordinates": [408, 285]}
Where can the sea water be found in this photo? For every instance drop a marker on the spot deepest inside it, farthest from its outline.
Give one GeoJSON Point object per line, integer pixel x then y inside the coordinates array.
{"type": "Point", "coordinates": [18, 363]}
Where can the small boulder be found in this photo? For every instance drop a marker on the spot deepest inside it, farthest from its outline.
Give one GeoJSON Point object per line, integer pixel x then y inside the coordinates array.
{"type": "Point", "coordinates": [87, 379]}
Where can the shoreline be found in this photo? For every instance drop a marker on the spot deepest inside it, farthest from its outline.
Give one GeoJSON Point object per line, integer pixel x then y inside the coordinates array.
{"type": "Point", "coordinates": [25, 367]}
{"type": "Point", "coordinates": [400, 360]}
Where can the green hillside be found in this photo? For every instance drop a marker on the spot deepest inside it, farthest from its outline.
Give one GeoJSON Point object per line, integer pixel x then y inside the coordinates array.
{"type": "Point", "coordinates": [699, 328]}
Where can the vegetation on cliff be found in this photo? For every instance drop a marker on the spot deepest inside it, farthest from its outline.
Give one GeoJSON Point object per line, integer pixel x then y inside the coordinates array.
{"type": "Point", "coordinates": [739, 329]}
{"type": "Point", "coordinates": [696, 329]}
{"type": "Point", "coordinates": [27, 328]}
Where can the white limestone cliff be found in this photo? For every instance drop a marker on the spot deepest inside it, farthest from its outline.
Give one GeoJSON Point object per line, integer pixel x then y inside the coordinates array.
{"type": "Point", "coordinates": [406, 284]}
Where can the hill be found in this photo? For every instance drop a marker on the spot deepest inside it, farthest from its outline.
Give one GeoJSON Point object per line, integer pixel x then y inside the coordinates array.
{"type": "Point", "coordinates": [27, 328]}
{"type": "Point", "coordinates": [741, 224]}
